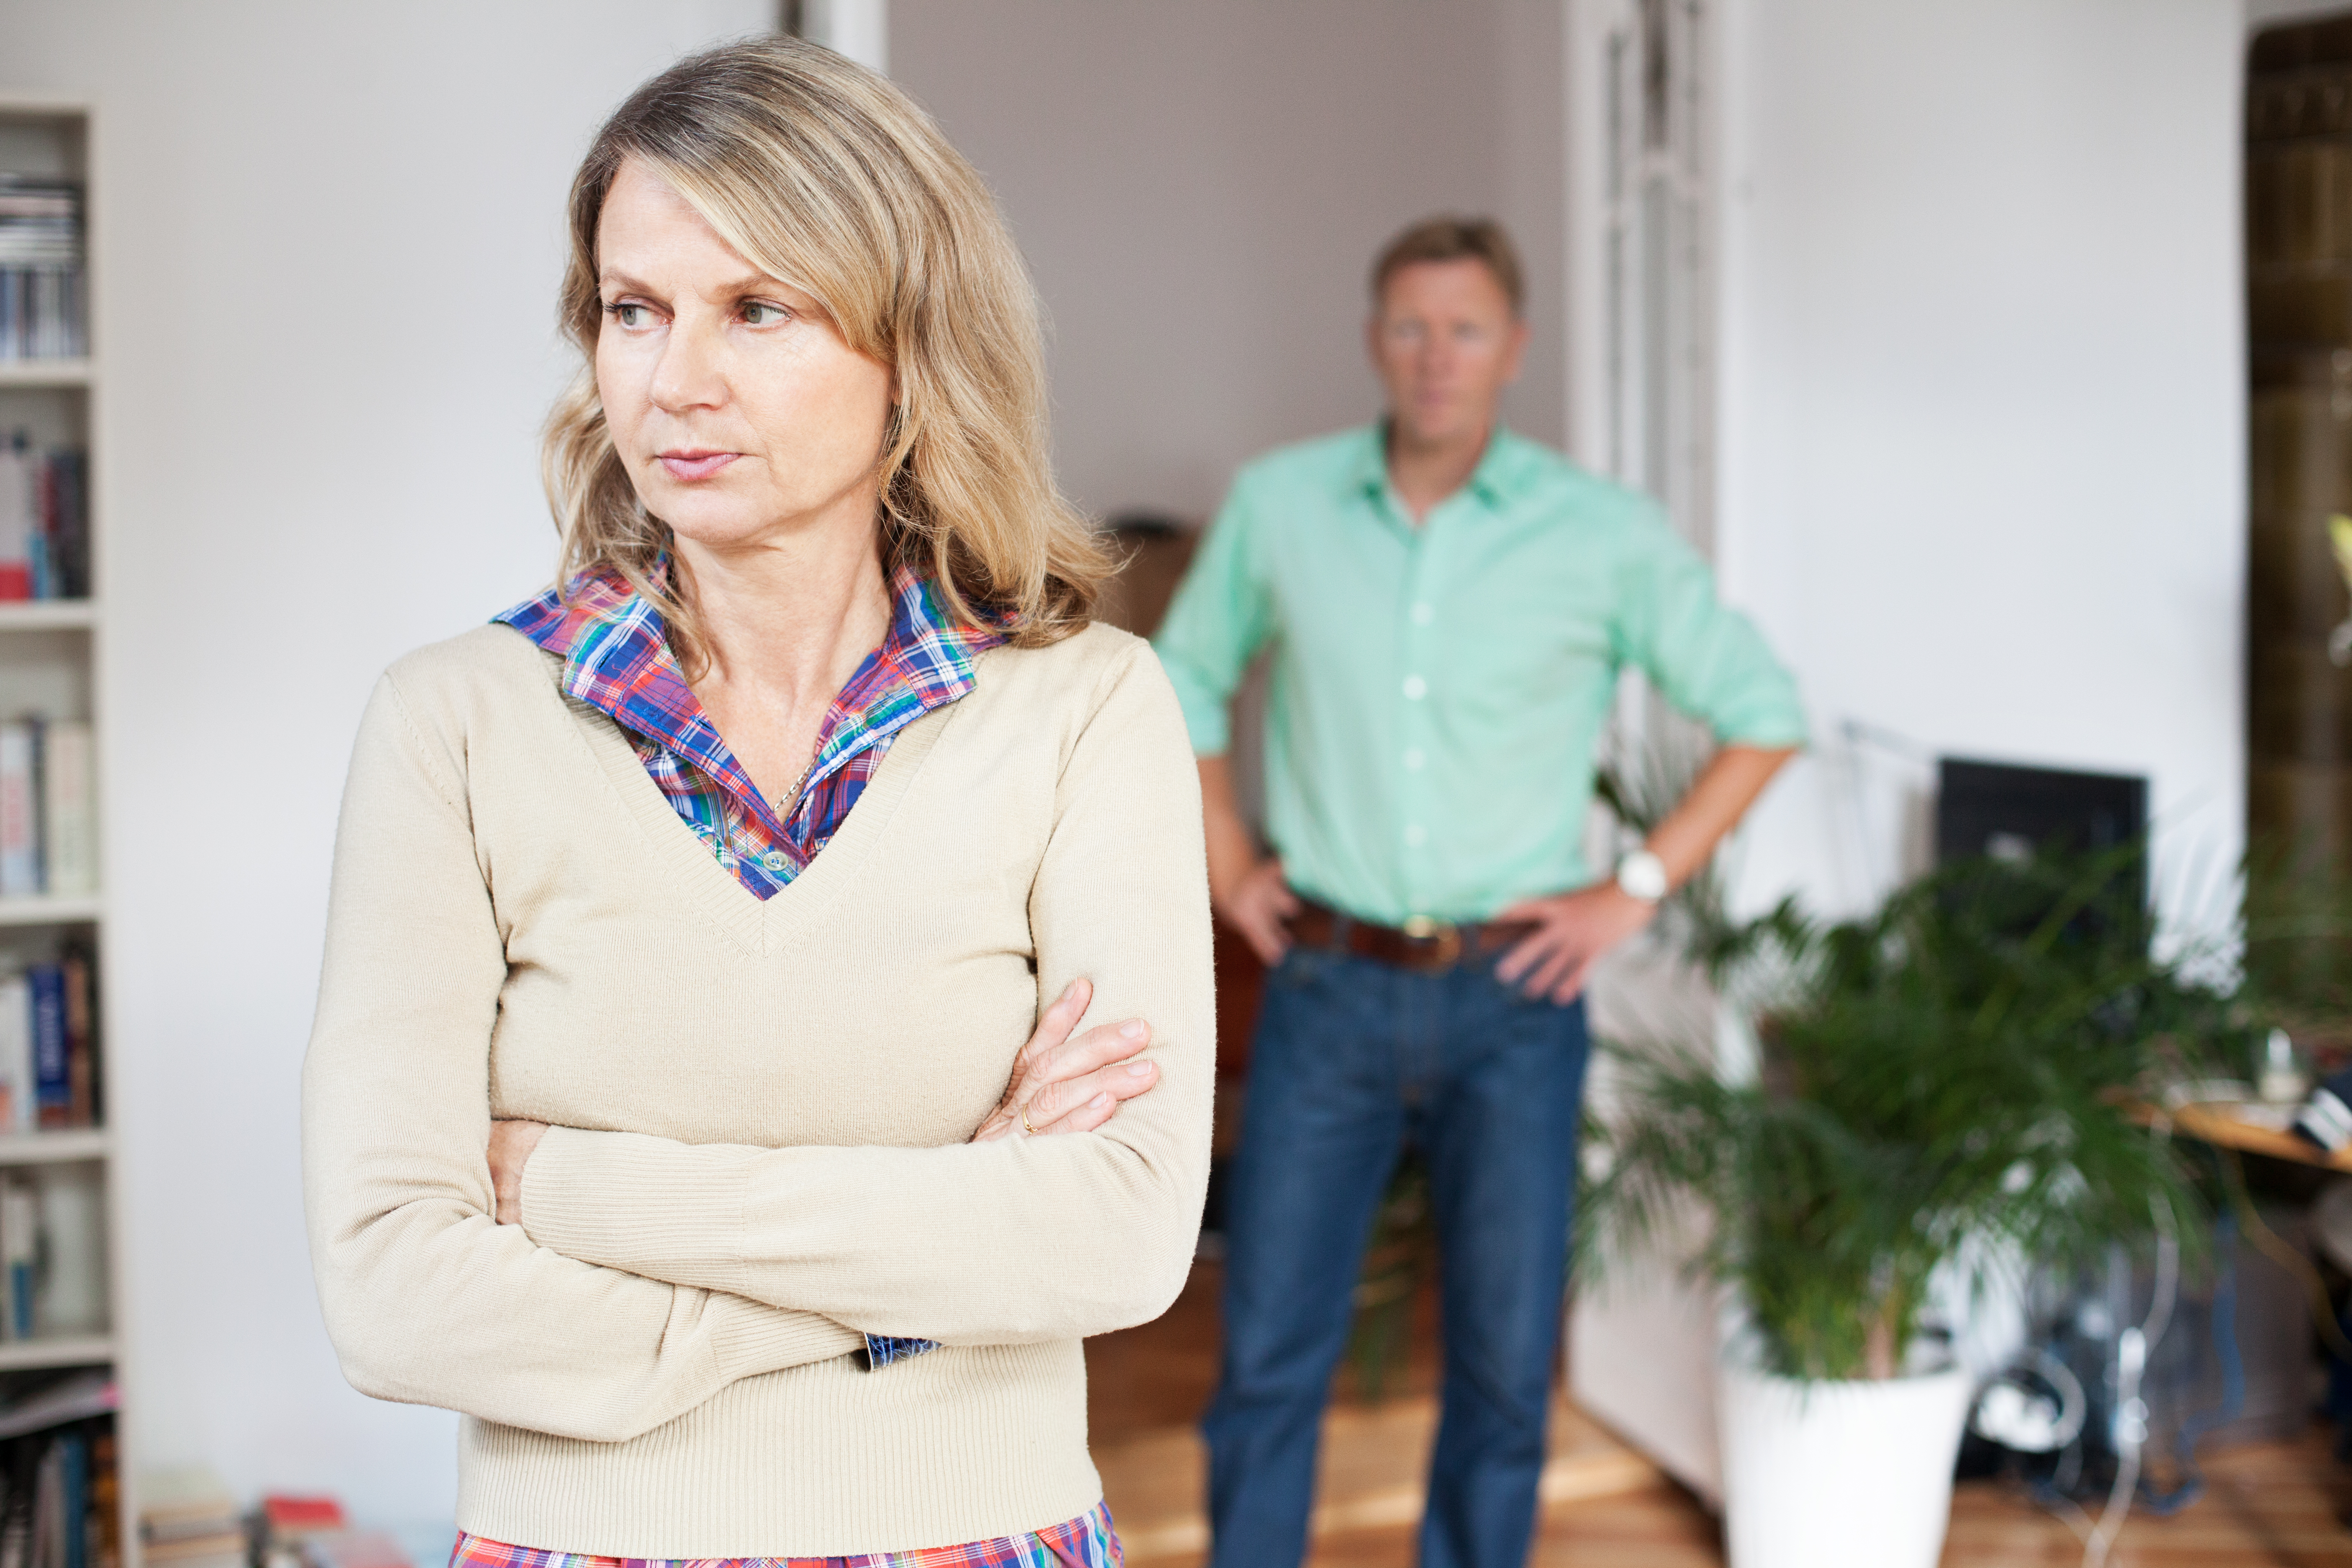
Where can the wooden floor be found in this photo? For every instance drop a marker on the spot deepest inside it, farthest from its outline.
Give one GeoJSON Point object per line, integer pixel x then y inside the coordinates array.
{"type": "Point", "coordinates": [1606, 1506]}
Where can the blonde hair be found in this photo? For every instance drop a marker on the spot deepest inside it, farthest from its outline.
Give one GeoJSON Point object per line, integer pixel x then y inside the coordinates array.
{"type": "Point", "coordinates": [823, 174]}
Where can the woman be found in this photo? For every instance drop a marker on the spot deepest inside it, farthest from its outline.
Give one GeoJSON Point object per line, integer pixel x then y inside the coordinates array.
{"type": "Point", "coordinates": [716, 894]}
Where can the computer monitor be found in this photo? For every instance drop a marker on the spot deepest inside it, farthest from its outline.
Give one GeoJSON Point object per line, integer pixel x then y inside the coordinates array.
{"type": "Point", "coordinates": [2010, 813]}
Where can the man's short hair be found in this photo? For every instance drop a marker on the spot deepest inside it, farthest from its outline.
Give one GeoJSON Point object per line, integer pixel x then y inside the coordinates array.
{"type": "Point", "coordinates": [1453, 239]}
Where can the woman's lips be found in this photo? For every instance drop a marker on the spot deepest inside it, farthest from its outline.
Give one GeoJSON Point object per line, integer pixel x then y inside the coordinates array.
{"type": "Point", "coordinates": [692, 466]}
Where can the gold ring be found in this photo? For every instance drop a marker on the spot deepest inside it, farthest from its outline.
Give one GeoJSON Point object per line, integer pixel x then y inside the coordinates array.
{"type": "Point", "coordinates": [1026, 1131]}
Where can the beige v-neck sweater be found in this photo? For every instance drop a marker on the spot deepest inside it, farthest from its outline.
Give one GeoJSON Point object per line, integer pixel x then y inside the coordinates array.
{"type": "Point", "coordinates": [759, 1110]}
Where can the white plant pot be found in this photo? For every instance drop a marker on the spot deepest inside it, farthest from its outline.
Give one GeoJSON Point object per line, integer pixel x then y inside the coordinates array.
{"type": "Point", "coordinates": [1838, 1475]}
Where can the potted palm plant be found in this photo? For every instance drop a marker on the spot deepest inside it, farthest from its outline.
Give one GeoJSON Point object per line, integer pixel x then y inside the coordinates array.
{"type": "Point", "coordinates": [1954, 1078]}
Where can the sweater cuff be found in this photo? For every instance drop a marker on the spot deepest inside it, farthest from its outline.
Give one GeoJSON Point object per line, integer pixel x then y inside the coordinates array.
{"type": "Point", "coordinates": [621, 1200]}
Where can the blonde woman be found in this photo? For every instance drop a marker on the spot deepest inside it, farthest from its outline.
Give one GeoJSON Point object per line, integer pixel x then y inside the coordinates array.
{"type": "Point", "coordinates": [689, 921]}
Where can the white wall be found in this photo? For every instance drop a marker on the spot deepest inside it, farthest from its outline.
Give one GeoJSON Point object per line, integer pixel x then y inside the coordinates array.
{"type": "Point", "coordinates": [1201, 188]}
{"type": "Point", "coordinates": [331, 241]}
{"type": "Point", "coordinates": [1984, 403]}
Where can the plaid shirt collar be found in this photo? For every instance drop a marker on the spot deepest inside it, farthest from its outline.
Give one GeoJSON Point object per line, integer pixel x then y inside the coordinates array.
{"type": "Point", "coordinates": [616, 658]}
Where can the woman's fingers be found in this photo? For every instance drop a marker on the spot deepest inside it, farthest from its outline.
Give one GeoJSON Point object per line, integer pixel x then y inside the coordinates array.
{"type": "Point", "coordinates": [1098, 1048]}
{"type": "Point", "coordinates": [1071, 1085]}
{"type": "Point", "coordinates": [1052, 1029]}
{"type": "Point", "coordinates": [1083, 1104]}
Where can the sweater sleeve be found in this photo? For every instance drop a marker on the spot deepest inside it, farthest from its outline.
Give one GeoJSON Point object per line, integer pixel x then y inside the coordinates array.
{"type": "Point", "coordinates": [427, 1299]}
{"type": "Point", "coordinates": [1020, 1240]}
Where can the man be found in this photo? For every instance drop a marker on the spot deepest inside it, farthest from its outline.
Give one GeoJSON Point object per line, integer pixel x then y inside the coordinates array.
{"type": "Point", "coordinates": [1449, 606]}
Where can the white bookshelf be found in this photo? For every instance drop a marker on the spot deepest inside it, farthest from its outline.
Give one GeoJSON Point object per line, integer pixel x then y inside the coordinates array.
{"type": "Point", "coordinates": [70, 1146]}
{"type": "Point", "coordinates": [48, 912]}
{"type": "Point", "coordinates": [49, 616]}
{"type": "Point", "coordinates": [65, 1350]}
{"type": "Point", "coordinates": [45, 372]}
{"type": "Point", "coordinates": [51, 659]}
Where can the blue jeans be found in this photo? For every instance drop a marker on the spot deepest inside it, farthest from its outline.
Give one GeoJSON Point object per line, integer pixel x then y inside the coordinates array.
{"type": "Point", "coordinates": [1352, 1059]}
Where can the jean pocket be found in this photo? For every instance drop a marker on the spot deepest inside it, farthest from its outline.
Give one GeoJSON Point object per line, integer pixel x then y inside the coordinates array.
{"type": "Point", "coordinates": [1301, 968]}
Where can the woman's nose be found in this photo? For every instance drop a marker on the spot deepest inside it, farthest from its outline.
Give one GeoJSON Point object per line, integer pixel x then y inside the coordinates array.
{"type": "Point", "coordinates": [691, 373]}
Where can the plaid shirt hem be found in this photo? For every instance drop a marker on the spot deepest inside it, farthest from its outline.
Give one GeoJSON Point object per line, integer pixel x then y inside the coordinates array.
{"type": "Point", "coordinates": [1089, 1540]}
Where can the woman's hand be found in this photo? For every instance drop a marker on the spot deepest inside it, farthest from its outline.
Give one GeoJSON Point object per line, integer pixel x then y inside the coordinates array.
{"type": "Point", "coordinates": [510, 1146]}
{"type": "Point", "coordinates": [1062, 1085]}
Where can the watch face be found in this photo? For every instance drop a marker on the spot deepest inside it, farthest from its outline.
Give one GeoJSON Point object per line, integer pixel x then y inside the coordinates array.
{"type": "Point", "coordinates": [1642, 875]}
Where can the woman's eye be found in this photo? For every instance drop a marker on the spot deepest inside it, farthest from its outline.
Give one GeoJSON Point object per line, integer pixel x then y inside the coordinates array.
{"type": "Point", "coordinates": [629, 314]}
{"type": "Point", "coordinates": [758, 313]}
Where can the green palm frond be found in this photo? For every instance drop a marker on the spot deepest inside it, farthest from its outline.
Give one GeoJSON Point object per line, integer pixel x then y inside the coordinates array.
{"type": "Point", "coordinates": [1967, 1063]}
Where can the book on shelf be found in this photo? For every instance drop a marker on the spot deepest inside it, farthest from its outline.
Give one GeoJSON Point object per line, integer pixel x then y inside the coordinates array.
{"type": "Point", "coordinates": [20, 823]}
{"type": "Point", "coordinates": [44, 521]}
{"type": "Point", "coordinates": [19, 1107]}
{"type": "Point", "coordinates": [49, 1043]}
{"type": "Point", "coordinates": [48, 809]}
{"type": "Point", "coordinates": [53, 1269]}
{"type": "Point", "coordinates": [44, 291]}
{"type": "Point", "coordinates": [65, 800]}
{"type": "Point", "coordinates": [20, 1254]}
{"type": "Point", "coordinates": [69, 1249]}
{"type": "Point", "coordinates": [61, 1494]}
{"type": "Point", "coordinates": [52, 1079]}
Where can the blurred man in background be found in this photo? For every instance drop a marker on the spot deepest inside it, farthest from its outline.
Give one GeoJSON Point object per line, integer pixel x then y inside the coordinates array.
{"type": "Point", "coordinates": [1449, 606]}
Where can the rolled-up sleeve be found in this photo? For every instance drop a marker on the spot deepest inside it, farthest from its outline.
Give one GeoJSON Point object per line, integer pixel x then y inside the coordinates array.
{"type": "Point", "coordinates": [1219, 617]}
{"type": "Point", "coordinates": [1705, 658]}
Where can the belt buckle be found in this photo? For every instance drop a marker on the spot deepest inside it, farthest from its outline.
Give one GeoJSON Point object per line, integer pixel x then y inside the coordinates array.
{"type": "Point", "coordinates": [1444, 933]}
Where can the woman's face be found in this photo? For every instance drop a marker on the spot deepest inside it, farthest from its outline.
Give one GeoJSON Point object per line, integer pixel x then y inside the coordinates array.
{"type": "Point", "coordinates": [739, 410]}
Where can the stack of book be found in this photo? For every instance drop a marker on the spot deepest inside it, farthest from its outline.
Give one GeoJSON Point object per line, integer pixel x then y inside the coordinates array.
{"type": "Point", "coordinates": [62, 1492]}
{"type": "Point", "coordinates": [48, 809]}
{"type": "Point", "coordinates": [49, 1043]}
{"type": "Point", "coordinates": [188, 1520]}
{"type": "Point", "coordinates": [44, 521]}
{"type": "Point", "coordinates": [288, 1525]}
{"type": "Point", "coordinates": [44, 311]}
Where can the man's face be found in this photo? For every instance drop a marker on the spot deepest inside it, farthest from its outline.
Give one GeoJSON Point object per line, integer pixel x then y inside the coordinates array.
{"type": "Point", "coordinates": [1445, 345]}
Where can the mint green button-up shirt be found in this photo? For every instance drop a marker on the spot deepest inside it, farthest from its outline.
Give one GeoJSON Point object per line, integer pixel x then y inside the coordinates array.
{"type": "Point", "coordinates": [1438, 692]}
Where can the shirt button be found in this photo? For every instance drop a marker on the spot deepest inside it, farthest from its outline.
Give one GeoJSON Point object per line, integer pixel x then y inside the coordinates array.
{"type": "Point", "coordinates": [1416, 835]}
{"type": "Point", "coordinates": [1415, 689]}
{"type": "Point", "coordinates": [1413, 758]}
{"type": "Point", "coordinates": [773, 859]}
{"type": "Point", "coordinates": [1423, 615]}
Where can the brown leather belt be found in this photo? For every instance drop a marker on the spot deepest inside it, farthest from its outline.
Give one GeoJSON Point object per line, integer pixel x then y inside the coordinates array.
{"type": "Point", "coordinates": [1423, 947]}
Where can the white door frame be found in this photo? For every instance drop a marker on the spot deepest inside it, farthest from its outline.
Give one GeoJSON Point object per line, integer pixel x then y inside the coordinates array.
{"type": "Point", "coordinates": [1643, 239]}
{"type": "Point", "coordinates": [1644, 231]}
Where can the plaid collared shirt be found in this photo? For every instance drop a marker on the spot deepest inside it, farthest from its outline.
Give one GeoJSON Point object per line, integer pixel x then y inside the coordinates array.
{"type": "Point", "coordinates": [616, 658]}
{"type": "Point", "coordinates": [1088, 1541]}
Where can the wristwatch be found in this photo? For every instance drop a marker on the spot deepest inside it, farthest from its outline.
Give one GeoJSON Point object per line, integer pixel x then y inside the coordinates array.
{"type": "Point", "coordinates": [1642, 875]}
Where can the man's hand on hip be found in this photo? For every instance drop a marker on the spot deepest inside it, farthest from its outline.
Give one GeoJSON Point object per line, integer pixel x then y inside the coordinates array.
{"type": "Point", "coordinates": [1256, 905]}
{"type": "Point", "coordinates": [1572, 930]}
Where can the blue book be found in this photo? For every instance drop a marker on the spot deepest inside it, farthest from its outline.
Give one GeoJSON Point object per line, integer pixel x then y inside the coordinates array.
{"type": "Point", "coordinates": [52, 1057]}
{"type": "Point", "coordinates": [75, 1457]}
{"type": "Point", "coordinates": [20, 1249]}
